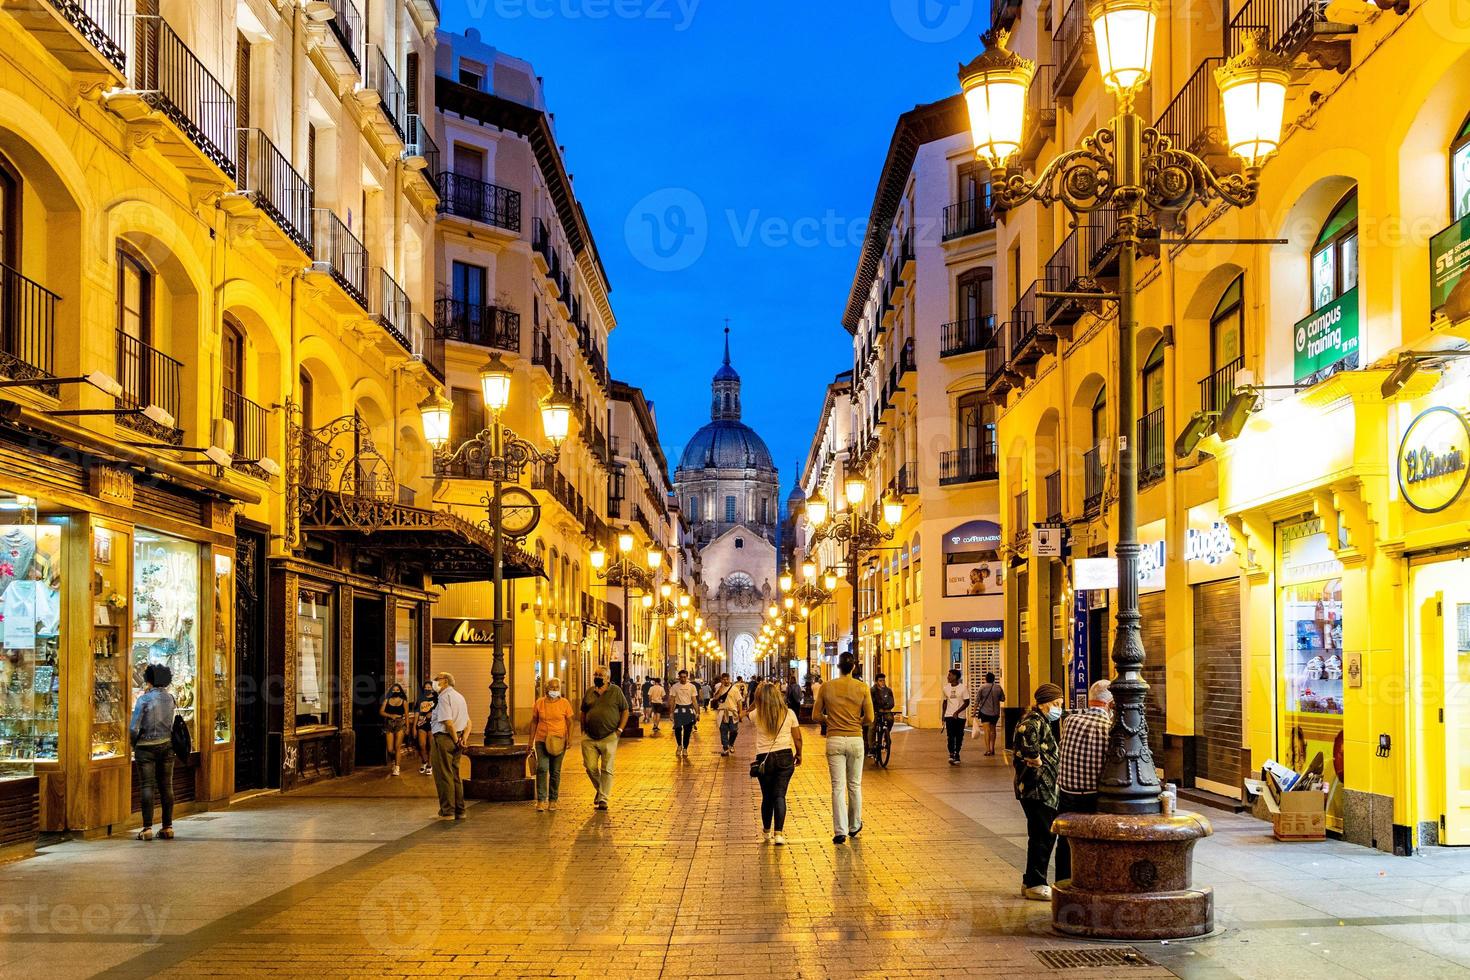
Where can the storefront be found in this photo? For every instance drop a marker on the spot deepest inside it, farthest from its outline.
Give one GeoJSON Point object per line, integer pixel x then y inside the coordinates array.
{"type": "Point", "coordinates": [106, 567]}
{"type": "Point", "coordinates": [1213, 574]}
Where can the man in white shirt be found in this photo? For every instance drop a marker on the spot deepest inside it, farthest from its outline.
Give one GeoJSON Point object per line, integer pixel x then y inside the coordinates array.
{"type": "Point", "coordinates": [655, 705]}
{"type": "Point", "coordinates": [450, 732]}
{"type": "Point", "coordinates": [684, 706]}
{"type": "Point", "coordinates": [956, 703]}
{"type": "Point", "coordinates": [728, 700]}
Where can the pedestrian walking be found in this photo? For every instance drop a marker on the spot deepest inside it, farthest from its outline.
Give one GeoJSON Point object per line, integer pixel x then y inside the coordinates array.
{"type": "Point", "coordinates": [423, 727]}
{"type": "Point", "coordinates": [647, 686]}
{"type": "Point", "coordinates": [777, 754]}
{"type": "Point", "coordinates": [1081, 751]}
{"type": "Point", "coordinates": [394, 711]}
{"type": "Point", "coordinates": [728, 700]}
{"type": "Point", "coordinates": [1036, 761]}
{"type": "Point", "coordinates": [551, 730]}
{"type": "Point", "coordinates": [988, 700]}
{"type": "Point", "coordinates": [704, 695]}
{"type": "Point", "coordinates": [684, 706]}
{"type": "Point", "coordinates": [956, 702]}
{"type": "Point", "coordinates": [655, 702]}
{"type": "Point", "coordinates": [604, 714]}
{"type": "Point", "coordinates": [451, 732]}
{"type": "Point", "coordinates": [793, 695]}
{"type": "Point", "coordinates": [151, 729]}
{"type": "Point", "coordinates": [816, 693]}
{"type": "Point", "coordinates": [846, 705]}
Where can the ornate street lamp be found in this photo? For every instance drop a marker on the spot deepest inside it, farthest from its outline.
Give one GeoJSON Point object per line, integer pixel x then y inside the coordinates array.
{"type": "Point", "coordinates": [1135, 170]}
{"type": "Point", "coordinates": [501, 455]}
{"type": "Point", "coordinates": [854, 533]}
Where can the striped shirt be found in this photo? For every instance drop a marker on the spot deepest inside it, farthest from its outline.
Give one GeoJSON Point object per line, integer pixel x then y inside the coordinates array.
{"type": "Point", "coordinates": [1084, 747]}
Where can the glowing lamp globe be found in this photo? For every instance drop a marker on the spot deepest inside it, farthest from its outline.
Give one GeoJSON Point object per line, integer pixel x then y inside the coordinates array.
{"type": "Point", "coordinates": [995, 87]}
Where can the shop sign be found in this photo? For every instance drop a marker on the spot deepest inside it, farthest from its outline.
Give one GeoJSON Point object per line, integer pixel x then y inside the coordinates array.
{"type": "Point", "coordinates": [1151, 553]}
{"type": "Point", "coordinates": [1079, 673]}
{"type": "Point", "coordinates": [464, 632]}
{"type": "Point", "coordinates": [1209, 547]}
{"type": "Point", "coordinates": [1046, 539]}
{"type": "Point", "coordinates": [976, 629]}
{"type": "Point", "coordinates": [973, 536]}
{"type": "Point", "coordinates": [1327, 336]}
{"type": "Point", "coordinates": [1095, 573]}
{"type": "Point", "coordinates": [1431, 461]}
{"type": "Point", "coordinates": [1449, 259]}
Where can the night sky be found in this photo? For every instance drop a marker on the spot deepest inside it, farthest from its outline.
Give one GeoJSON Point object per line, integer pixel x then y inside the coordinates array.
{"type": "Point", "coordinates": [726, 152]}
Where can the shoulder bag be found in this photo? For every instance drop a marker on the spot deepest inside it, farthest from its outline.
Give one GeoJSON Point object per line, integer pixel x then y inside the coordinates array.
{"type": "Point", "coordinates": [758, 767]}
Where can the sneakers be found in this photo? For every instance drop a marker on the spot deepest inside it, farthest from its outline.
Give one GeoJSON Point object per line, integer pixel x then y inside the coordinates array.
{"type": "Point", "coordinates": [766, 836]}
{"type": "Point", "coordinates": [954, 760]}
{"type": "Point", "coordinates": [428, 770]}
{"type": "Point", "coordinates": [540, 806]}
{"type": "Point", "coordinates": [395, 770]}
{"type": "Point", "coordinates": [551, 805]}
{"type": "Point", "coordinates": [839, 838]}
{"type": "Point", "coordinates": [600, 805]}
{"type": "Point", "coordinates": [780, 839]}
{"type": "Point", "coordinates": [1041, 893]}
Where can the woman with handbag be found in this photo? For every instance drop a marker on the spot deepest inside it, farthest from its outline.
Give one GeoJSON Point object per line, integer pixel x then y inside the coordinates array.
{"type": "Point", "coordinates": [551, 724]}
{"type": "Point", "coordinates": [777, 754]}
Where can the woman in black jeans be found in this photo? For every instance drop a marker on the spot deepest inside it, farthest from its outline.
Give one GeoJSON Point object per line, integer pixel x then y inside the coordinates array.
{"type": "Point", "coordinates": [777, 754]}
{"type": "Point", "coordinates": [151, 729]}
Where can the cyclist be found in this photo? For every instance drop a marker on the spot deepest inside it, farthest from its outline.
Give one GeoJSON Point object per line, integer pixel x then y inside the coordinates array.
{"type": "Point", "coordinates": [882, 708]}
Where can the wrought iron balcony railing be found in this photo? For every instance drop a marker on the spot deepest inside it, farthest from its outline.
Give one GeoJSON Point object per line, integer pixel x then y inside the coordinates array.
{"type": "Point", "coordinates": [148, 377]}
{"type": "Point", "coordinates": [477, 200]}
{"type": "Point", "coordinates": [474, 323]}
{"type": "Point", "coordinates": [107, 25]}
{"type": "Point", "coordinates": [1193, 119]}
{"type": "Point", "coordinates": [176, 83]}
{"type": "Point", "coordinates": [1151, 449]}
{"type": "Point", "coordinates": [968, 217]}
{"type": "Point", "coordinates": [346, 23]}
{"type": "Point", "coordinates": [1215, 389]}
{"type": "Point", "coordinates": [249, 420]}
{"type": "Point", "coordinates": [1071, 48]}
{"type": "Point", "coordinates": [382, 79]}
{"type": "Point", "coordinates": [344, 254]}
{"type": "Point", "coordinates": [393, 310]}
{"type": "Point", "coordinates": [1094, 478]}
{"type": "Point", "coordinates": [1289, 24]}
{"type": "Point", "coordinates": [906, 480]}
{"type": "Point", "coordinates": [421, 144]}
{"type": "Point", "coordinates": [27, 327]}
{"type": "Point", "coordinates": [279, 191]}
{"type": "Point", "coordinates": [1052, 486]}
{"type": "Point", "coordinates": [428, 345]}
{"type": "Point", "coordinates": [970, 464]}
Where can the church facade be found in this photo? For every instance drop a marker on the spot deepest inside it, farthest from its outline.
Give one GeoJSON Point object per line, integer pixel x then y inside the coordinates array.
{"type": "Point", "coordinates": [728, 488]}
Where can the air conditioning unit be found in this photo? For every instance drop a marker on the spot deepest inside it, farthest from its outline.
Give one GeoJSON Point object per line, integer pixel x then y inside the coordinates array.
{"type": "Point", "coordinates": [222, 434]}
{"type": "Point", "coordinates": [320, 268]}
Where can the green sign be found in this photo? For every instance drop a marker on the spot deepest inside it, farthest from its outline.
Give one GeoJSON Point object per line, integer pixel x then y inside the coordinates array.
{"type": "Point", "coordinates": [1449, 259]}
{"type": "Point", "coordinates": [1327, 336]}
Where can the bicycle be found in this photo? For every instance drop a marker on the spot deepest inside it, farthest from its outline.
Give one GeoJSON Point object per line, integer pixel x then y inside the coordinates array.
{"type": "Point", "coordinates": [880, 743]}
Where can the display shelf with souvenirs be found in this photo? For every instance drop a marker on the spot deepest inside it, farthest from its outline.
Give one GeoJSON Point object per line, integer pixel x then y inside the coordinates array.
{"type": "Point", "coordinates": [224, 608]}
{"type": "Point", "coordinates": [109, 710]}
{"type": "Point", "coordinates": [30, 644]}
{"type": "Point", "coordinates": [165, 614]}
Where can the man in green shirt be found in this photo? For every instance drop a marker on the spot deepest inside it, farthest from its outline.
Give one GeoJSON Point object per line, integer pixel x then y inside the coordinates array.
{"type": "Point", "coordinates": [845, 704]}
{"type": "Point", "coordinates": [604, 713]}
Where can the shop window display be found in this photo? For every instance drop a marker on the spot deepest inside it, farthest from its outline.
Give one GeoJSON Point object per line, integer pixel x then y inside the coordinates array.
{"type": "Point", "coordinates": [224, 620]}
{"type": "Point", "coordinates": [109, 662]}
{"type": "Point", "coordinates": [166, 616]}
{"type": "Point", "coordinates": [315, 658]}
{"type": "Point", "coordinates": [30, 641]}
{"type": "Point", "coordinates": [1310, 611]}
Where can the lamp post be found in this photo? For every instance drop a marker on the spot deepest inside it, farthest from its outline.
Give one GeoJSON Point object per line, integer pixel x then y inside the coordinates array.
{"type": "Point", "coordinates": [808, 596]}
{"type": "Point", "coordinates": [502, 457]}
{"type": "Point", "coordinates": [1138, 171]}
{"type": "Point", "coordinates": [624, 570]}
{"type": "Point", "coordinates": [855, 533]}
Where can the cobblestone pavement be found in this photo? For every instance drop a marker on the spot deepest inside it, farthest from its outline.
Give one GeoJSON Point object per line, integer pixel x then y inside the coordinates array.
{"type": "Point", "coordinates": [357, 878]}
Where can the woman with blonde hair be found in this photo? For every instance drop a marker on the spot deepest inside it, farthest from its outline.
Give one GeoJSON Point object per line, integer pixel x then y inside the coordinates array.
{"type": "Point", "coordinates": [777, 754]}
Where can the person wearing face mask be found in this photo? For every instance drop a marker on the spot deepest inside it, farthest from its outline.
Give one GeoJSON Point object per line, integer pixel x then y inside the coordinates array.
{"type": "Point", "coordinates": [604, 715]}
{"type": "Point", "coordinates": [1036, 760]}
{"type": "Point", "coordinates": [423, 727]}
{"type": "Point", "coordinates": [394, 711]}
{"type": "Point", "coordinates": [450, 734]}
{"type": "Point", "coordinates": [1081, 751]}
{"type": "Point", "coordinates": [551, 727]}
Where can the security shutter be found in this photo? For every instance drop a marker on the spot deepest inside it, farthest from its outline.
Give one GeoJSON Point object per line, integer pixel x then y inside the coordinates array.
{"type": "Point", "coordinates": [1217, 683]}
{"type": "Point", "coordinates": [981, 657]}
{"type": "Point", "coordinates": [411, 82]}
{"type": "Point", "coordinates": [242, 107]}
{"type": "Point", "coordinates": [1151, 607]}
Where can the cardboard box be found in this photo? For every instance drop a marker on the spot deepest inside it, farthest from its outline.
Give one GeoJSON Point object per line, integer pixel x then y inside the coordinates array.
{"type": "Point", "coordinates": [1300, 815]}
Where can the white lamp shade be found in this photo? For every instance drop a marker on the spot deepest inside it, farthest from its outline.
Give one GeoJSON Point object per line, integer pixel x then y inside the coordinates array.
{"type": "Point", "coordinates": [855, 489]}
{"type": "Point", "coordinates": [598, 558]}
{"type": "Point", "coordinates": [997, 115]}
{"type": "Point", "coordinates": [435, 412]}
{"type": "Point", "coordinates": [625, 542]}
{"type": "Point", "coordinates": [1124, 33]}
{"type": "Point", "coordinates": [556, 420]}
{"type": "Point", "coordinates": [495, 378]}
{"type": "Point", "coordinates": [816, 510]}
{"type": "Point", "coordinates": [1253, 90]}
{"type": "Point", "coordinates": [892, 511]}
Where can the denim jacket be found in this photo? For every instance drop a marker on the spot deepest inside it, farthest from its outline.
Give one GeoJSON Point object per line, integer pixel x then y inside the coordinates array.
{"type": "Point", "coordinates": [153, 717]}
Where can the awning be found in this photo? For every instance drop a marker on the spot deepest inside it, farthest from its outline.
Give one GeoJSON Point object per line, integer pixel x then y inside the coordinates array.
{"type": "Point", "coordinates": [448, 547]}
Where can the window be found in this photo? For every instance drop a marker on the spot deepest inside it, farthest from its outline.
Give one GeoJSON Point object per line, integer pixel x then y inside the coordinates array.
{"type": "Point", "coordinates": [729, 510]}
{"type": "Point", "coordinates": [307, 399]}
{"type": "Point", "coordinates": [10, 199]}
{"type": "Point", "coordinates": [974, 185]}
{"type": "Point", "coordinates": [316, 658]}
{"type": "Point", "coordinates": [976, 430]}
{"type": "Point", "coordinates": [765, 510]}
{"type": "Point", "coordinates": [311, 154]}
{"type": "Point", "coordinates": [242, 81]}
{"type": "Point", "coordinates": [1335, 254]}
{"type": "Point", "coordinates": [1100, 417]}
{"type": "Point", "coordinates": [232, 356]}
{"type": "Point", "coordinates": [976, 297]}
{"type": "Point", "coordinates": [467, 419]}
{"type": "Point", "coordinates": [740, 542]}
{"type": "Point", "coordinates": [694, 508]}
{"type": "Point", "coordinates": [411, 81]}
{"type": "Point", "coordinates": [1460, 172]}
{"type": "Point", "coordinates": [467, 285]}
{"type": "Point", "coordinates": [1153, 379]}
{"type": "Point", "coordinates": [469, 162]}
{"type": "Point", "coordinates": [134, 327]}
{"type": "Point", "coordinates": [166, 612]}
{"type": "Point", "coordinates": [471, 75]}
{"type": "Point", "coordinates": [1227, 326]}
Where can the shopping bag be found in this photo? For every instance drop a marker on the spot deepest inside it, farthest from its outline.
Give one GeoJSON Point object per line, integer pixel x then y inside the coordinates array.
{"type": "Point", "coordinates": [531, 763]}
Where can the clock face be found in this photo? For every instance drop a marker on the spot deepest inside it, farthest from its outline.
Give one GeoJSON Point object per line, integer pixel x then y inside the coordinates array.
{"type": "Point", "coordinates": [519, 512]}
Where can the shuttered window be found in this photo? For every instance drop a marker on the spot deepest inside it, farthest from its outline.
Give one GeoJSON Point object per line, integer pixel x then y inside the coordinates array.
{"type": "Point", "coordinates": [1151, 608]}
{"type": "Point", "coordinates": [1217, 682]}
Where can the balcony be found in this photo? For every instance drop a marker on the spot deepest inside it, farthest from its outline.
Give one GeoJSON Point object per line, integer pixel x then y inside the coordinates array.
{"type": "Point", "coordinates": [1052, 488]}
{"type": "Point", "coordinates": [275, 187]}
{"type": "Point", "coordinates": [999, 378]}
{"type": "Point", "coordinates": [27, 329]}
{"type": "Point", "coordinates": [1068, 270]}
{"type": "Point", "coordinates": [1094, 477]}
{"type": "Point", "coordinates": [393, 310]}
{"type": "Point", "coordinates": [907, 363]}
{"type": "Point", "coordinates": [1021, 522]}
{"type": "Point", "coordinates": [422, 157]}
{"type": "Point", "coordinates": [337, 252]}
{"type": "Point", "coordinates": [148, 377]}
{"type": "Point", "coordinates": [1102, 244]}
{"type": "Point", "coordinates": [1072, 49]}
{"type": "Point", "coordinates": [906, 480]}
{"type": "Point", "coordinates": [85, 35]}
{"type": "Point", "coordinates": [466, 197]}
{"type": "Point", "coordinates": [1216, 389]}
{"type": "Point", "coordinates": [1293, 27]}
{"type": "Point", "coordinates": [1194, 120]}
{"type": "Point", "coordinates": [970, 464]}
{"type": "Point", "coordinates": [167, 79]}
{"type": "Point", "coordinates": [967, 336]}
{"type": "Point", "coordinates": [1041, 112]}
{"type": "Point", "coordinates": [472, 323]}
{"type": "Point", "coordinates": [346, 27]}
{"type": "Point", "coordinates": [249, 421]}
{"type": "Point", "coordinates": [968, 217]}
{"type": "Point", "coordinates": [1030, 338]}
{"type": "Point", "coordinates": [428, 346]}
{"type": "Point", "coordinates": [1151, 448]}
{"type": "Point", "coordinates": [540, 349]}
{"type": "Point", "coordinates": [383, 87]}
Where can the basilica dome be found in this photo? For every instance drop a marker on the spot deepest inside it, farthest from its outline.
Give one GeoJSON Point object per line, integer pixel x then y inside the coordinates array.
{"type": "Point", "coordinates": [726, 444]}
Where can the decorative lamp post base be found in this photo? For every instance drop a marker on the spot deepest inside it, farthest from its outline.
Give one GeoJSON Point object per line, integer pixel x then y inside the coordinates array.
{"type": "Point", "coordinates": [1132, 877]}
{"type": "Point", "coordinates": [498, 773]}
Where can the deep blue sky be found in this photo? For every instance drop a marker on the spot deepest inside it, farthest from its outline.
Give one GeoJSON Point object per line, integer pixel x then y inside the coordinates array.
{"type": "Point", "coordinates": [750, 134]}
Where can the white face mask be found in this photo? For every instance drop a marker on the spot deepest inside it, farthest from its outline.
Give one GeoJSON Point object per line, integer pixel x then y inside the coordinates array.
{"type": "Point", "coordinates": [553, 694]}
{"type": "Point", "coordinates": [439, 686]}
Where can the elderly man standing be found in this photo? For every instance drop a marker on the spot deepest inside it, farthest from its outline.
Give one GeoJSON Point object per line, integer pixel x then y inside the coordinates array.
{"type": "Point", "coordinates": [604, 714]}
{"type": "Point", "coordinates": [450, 732]}
{"type": "Point", "coordinates": [1083, 747]}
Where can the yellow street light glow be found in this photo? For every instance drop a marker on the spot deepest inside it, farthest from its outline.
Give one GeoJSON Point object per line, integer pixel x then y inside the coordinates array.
{"type": "Point", "coordinates": [556, 419]}
{"type": "Point", "coordinates": [495, 378]}
{"type": "Point", "coordinates": [995, 87]}
{"type": "Point", "coordinates": [816, 510]}
{"type": "Point", "coordinates": [892, 511]}
{"type": "Point", "coordinates": [655, 558]}
{"type": "Point", "coordinates": [809, 570]}
{"type": "Point", "coordinates": [1124, 33]}
{"type": "Point", "coordinates": [785, 581]}
{"type": "Point", "coordinates": [598, 558]}
{"type": "Point", "coordinates": [1253, 89]}
{"type": "Point", "coordinates": [854, 489]}
{"type": "Point", "coordinates": [648, 600]}
{"type": "Point", "coordinates": [666, 590]}
{"type": "Point", "coordinates": [435, 412]}
{"type": "Point", "coordinates": [625, 542]}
